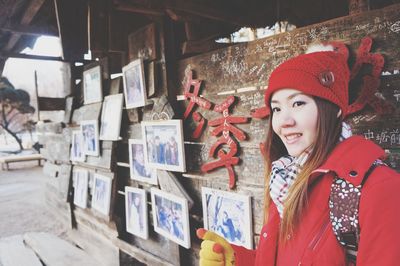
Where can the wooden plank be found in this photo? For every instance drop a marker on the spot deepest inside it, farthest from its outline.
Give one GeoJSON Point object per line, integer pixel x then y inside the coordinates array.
{"type": "Point", "coordinates": [51, 104]}
{"type": "Point", "coordinates": [30, 30]}
{"type": "Point", "coordinates": [33, 57]}
{"type": "Point", "coordinates": [27, 17]}
{"type": "Point", "coordinates": [73, 26]}
{"type": "Point", "coordinates": [54, 251]}
{"type": "Point", "coordinates": [13, 252]}
{"type": "Point", "coordinates": [142, 43]}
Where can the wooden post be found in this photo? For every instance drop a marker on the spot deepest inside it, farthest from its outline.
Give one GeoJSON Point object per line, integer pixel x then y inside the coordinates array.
{"type": "Point", "coordinates": [358, 6]}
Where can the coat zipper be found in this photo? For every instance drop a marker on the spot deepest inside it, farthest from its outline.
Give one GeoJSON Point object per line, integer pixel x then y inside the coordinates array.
{"type": "Point", "coordinates": [314, 243]}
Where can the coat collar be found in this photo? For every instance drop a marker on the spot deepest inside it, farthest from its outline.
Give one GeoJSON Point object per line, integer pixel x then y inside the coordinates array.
{"type": "Point", "coordinates": [351, 159]}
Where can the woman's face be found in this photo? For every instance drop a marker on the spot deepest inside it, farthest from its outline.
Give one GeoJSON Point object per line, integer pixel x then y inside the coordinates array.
{"type": "Point", "coordinates": [294, 119]}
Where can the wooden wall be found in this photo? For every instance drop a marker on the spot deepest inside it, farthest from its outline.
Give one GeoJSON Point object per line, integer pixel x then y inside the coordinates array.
{"type": "Point", "coordinates": [241, 70]}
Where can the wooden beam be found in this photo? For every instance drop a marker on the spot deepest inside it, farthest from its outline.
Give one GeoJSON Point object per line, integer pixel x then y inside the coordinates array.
{"type": "Point", "coordinates": [28, 16]}
{"type": "Point", "coordinates": [30, 30]}
{"type": "Point", "coordinates": [28, 56]}
{"type": "Point", "coordinates": [181, 9]}
{"type": "Point", "coordinates": [136, 8]}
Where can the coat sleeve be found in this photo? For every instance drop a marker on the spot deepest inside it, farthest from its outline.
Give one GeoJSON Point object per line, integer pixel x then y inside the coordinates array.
{"type": "Point", "coordinates": [380, 219]}
{"type": "Point", "coordinates": [244, 256]}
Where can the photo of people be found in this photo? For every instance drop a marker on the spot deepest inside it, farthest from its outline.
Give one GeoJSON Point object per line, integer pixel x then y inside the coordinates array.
{"type": "Point", "coordinates": [134, 84]}
{"type": "Point", "coordinates": [90, 137]}
{"type": "Point", "coordinates": [111, 117]}
{"type": "Point", "coordinates": [171, 217]}
{"type": "Point", "coordinates": [77, 153]}
{"type": "Point", "coordinates": [136, 211]}
{"type": "Point", "coordinates": [164, 145]}
{"type": "Point", "coordinates": [138, 170]}
{"type": "Point", "coordinates": [228, 214]}
{"type": "Point", "coordinates": [80, 178]}
{"type": "Point", "coordinates": [92, 85]}
{"type": "Point", "coordinates": [101, 193]}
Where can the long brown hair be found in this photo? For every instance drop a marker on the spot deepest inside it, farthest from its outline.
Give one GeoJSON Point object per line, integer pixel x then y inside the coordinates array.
{"type": "Point", "coordinates": [328, 133]}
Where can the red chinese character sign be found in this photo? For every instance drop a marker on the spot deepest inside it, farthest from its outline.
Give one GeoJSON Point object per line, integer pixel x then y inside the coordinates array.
{"type": "Point", "coordinates": [226, 146]}
{"type": "Point", "coordinates": [225, 129]}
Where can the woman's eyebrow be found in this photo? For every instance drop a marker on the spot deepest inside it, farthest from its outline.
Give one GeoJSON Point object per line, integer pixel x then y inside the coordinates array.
{"type": "Point", "coordinates": [291, 96]}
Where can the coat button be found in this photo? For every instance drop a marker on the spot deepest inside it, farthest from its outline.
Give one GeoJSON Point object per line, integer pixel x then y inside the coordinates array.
{"type": "Point", "coordinates": [353, 173]}
{"type": "Point", "coordinates": [265, 235]}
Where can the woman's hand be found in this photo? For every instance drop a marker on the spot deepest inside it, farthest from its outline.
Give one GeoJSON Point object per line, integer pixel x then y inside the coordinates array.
{"type": "Point", "coordinates": [215, 250]}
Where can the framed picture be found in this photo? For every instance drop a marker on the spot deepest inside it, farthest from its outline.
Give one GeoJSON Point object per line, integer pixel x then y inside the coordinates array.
{"type": "Point", "coordinates": [134, 84]}
{"type": "Point", "coordinates": [77, 154]}
{"type": "Point", "coordinates": [139, 171]}
{"type": "Point", "coordinates": [81, 182]}
{"type": "Point", "coordinates": [111, 117]}
{"type": "Point", "coordinates": [136, 212]}
{"type": "Point", "coordinates": [164, 148]}
{"type": "Point", "coordinates": [92, 85]}
{"type": "Point", "coordinates": [171, 216]}
{"type": "Point", "coordinates": [101, 193]}
{"type": "Point", "coordinates": [90, 133]}
{"type": "Point", "coordinates": [229, 215]}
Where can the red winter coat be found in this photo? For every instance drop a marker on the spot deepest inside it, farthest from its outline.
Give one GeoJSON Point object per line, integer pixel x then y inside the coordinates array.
{"type": "Point", "coordinates": [314, 242]}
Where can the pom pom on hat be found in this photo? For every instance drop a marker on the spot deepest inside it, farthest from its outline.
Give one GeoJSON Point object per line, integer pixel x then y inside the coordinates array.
{"type": "Point", "coordinates": [322, 74]}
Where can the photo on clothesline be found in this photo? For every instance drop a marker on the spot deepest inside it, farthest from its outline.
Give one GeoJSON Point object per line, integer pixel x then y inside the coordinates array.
{"type": "Point", "coordinates": [77, 149]}
{"type": "Point", "coordinates": [164, 145]}
{"type": "Point", "coordinates": [80, 179]}
{"type": "Point", "coordinates": [90, 133]}
{"type": "Point", "coordinates": [171, 216]}
{"type": "Point", "coordinates": [101, 193]}
{"type": "Point", "coordinates": [138, 169]}
{"type": "Point", "coordinates": [134, 84]}
{"type": "Point", "coordinates": [111, 114]}
{"type": "Point", "coordinates": [136, 212]}
{"type": "Point", "coordinates": [92, 85]}
{"type": "Point", "coordinates": [229, 215]}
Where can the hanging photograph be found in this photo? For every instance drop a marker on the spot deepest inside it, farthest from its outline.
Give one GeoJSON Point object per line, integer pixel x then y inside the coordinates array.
{"type": "Point", "coordinates": [171, 216]}
{"type": "Point", "coordinates": [80, 181]}
{"type": "Point", "coordinates": [139, 171]}
{"type": "Point", "coordinates": [136, 212]}
{"type": "Point", "coordinates": [90, 133]}
{"type": "Point", "coordinates": [229, 215]}
{"type": "Point", "coordinates": [111, 117]}
{"type": "Point", "coordinates": [92, 85]}
{"type": "Point", "coordinates": [134, 84]}
{"type": "Point", "coordinates": [164, 147]}
{"type": "Point", "coordinates": [77, 154]}
{"type": "Point", "coordinates": [101, 193]}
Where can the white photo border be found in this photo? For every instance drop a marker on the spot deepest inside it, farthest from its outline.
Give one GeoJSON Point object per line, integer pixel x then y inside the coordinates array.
{"type": "Point", "coordinates": [185, 221]}
{"type": "Point", "coordinates": [143, 195]}
{"type": "Point", "coordinates": [138, 63]}
{"type": "Point", "coordinates": [96, 151]}
{"type": "Point", "coordinates": [74, 135]}
{"type": "Point", "coordinates": [95, 204]}
{"type": "Point", "coordinates": [248, 230]}
{"type": "Point", "coordinates": [151, 180]}
{"type": "Point", "coordinates": [98, 92]}
{"type": "Point", "coordinates": [177, 123]}
{"type": "Point", "coordinates": [77, 174]}
{"type": "Point", "coordinates": [108, 106]}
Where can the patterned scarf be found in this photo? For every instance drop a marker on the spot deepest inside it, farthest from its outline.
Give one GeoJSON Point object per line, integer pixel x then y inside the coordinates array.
{"type": "Point", "coordinates": [284, 172]}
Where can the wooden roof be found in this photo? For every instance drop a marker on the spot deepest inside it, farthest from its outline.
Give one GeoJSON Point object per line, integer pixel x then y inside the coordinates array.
{"type": "Point", "coordinates": [22, 21]}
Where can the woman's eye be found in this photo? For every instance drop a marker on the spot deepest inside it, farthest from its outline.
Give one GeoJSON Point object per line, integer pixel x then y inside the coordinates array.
{"type": "Point", "coordinates": [275, 109]}
{"type": "Point", "coordinates": [298, 103]}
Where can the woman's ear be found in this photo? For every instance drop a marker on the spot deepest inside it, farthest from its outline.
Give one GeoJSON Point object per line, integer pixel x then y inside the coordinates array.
{"type": "Point", "coordinates": [339, 113]}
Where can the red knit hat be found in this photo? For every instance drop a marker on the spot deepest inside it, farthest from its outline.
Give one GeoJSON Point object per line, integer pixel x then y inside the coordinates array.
{"type": "Point", "coordinates": [322, 74]}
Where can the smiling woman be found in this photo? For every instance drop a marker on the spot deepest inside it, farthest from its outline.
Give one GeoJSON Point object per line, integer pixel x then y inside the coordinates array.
{"type": "Point", "coordinates": [309, 151]}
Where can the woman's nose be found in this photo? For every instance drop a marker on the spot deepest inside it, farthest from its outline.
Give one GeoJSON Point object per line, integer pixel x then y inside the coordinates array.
{"type": "Point", "coordinates": [287, 119]}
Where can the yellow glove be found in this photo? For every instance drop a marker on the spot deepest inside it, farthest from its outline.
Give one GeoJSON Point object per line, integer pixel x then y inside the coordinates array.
{"type": "Point", "coordinates": [215, 250]}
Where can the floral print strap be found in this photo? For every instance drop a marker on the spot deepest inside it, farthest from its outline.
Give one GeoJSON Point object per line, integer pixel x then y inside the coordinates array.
{"type": "Point", "coordinates": [343, 204]}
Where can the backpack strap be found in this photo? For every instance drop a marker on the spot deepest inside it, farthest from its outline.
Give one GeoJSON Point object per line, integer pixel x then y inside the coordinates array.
{"type": "Point", "coordinates": [343, 204]}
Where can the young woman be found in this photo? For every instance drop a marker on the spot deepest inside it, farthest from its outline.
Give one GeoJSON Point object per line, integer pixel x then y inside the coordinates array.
{"type": "Point", "coordinates": [309, 153]}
